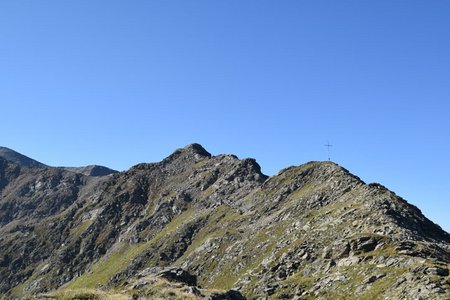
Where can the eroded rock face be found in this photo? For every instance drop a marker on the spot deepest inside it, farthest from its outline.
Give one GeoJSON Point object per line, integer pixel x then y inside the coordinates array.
{"type": "Point", "coordinates": [312, 231]}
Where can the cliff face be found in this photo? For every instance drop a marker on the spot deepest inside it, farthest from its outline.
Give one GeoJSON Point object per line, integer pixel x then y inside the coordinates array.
{"type": "Point", "coordinates": [312, 231]}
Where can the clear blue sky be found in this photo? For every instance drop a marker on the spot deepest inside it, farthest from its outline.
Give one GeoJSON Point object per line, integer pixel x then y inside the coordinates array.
{"type": "Point", "coordinates": [122, 82]}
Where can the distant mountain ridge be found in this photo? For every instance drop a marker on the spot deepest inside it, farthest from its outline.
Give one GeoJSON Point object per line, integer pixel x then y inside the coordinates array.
{"type": "Point", "coordinates": [202, 226]}
{"type": "Point", "coordinates": [23, 160]}
{"type": "Point", "coordinates": [20, 159]}
{"type": "Point", "coordinates": [92, 170]}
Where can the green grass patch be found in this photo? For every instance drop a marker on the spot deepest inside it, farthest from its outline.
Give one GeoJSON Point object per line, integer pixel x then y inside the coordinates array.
{"type": "Point", "coordinates": [77, 231]}
{"type": "Point", "coordinates": [18, 291]}
{"type": "Point", "coordinates": [103, 271]}
{"type": "Point", "coordinates": [85, 294]}
{"type": "Point", "coordinates": [383, 284]}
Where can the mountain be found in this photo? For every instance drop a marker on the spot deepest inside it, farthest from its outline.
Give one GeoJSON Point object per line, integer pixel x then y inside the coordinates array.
{"type": "Point", "coordinates": [20, 159]}
{"type": "Point", "coordinates": [198, 226]}
{"type": "Point", "coordinates": [25, 161]}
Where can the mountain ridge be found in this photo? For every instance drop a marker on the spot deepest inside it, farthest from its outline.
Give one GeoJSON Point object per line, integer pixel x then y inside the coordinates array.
{"type": "Point", "coordinates": [19, 158]}
{"type": "Point", "coordinates": [23, 160]}
{"type": "Point", "coordinates": [313, 231]}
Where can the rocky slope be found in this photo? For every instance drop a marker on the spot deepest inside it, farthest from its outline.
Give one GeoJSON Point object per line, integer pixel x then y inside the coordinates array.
{"type": "Point", "coordinates": [311, 232]}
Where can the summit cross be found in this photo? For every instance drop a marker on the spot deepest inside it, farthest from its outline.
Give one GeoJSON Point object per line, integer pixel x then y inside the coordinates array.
{"type": "Point", "coordinates": [328, 145]}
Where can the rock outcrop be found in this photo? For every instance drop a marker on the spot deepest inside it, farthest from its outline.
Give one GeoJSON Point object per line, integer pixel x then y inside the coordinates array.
{"type": "Point", "coordinates": [311, 232]}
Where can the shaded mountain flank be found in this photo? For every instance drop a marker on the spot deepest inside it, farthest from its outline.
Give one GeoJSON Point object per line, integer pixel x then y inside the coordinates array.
{"type": "Point", "coordinates": [197, 226]}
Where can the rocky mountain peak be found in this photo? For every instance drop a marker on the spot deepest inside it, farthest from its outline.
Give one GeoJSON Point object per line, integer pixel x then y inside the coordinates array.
{"type": "Point", "coordinates": [192, 149]}
{"type": "Point", "coordinates": [197, 149]}
{"type": "Point", "coordinates": [189, 154]}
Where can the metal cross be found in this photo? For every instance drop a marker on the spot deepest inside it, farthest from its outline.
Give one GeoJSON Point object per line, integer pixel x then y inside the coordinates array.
{"type": "Point", "coordinates": [328, 145]}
